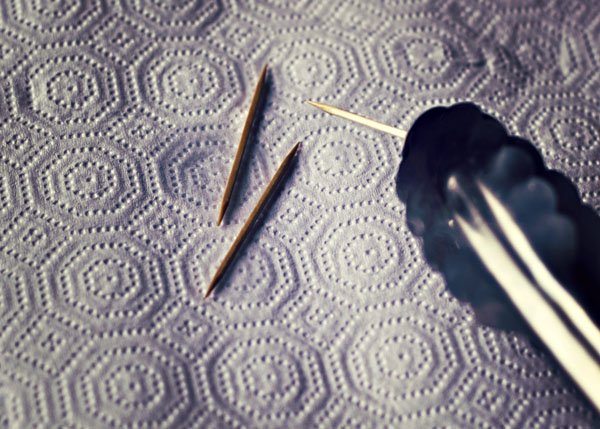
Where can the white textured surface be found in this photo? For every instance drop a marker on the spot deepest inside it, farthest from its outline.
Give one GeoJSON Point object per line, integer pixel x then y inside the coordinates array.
{"type": "Point", "coordinates": [119, 123]}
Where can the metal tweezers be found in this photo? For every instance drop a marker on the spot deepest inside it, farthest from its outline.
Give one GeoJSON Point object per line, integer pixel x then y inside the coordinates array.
{"type": "Point", "coordinates": [551, 312]}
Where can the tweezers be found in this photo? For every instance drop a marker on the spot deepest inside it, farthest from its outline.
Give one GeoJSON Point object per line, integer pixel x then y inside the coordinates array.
{"type": "Point", "coordinates": [551, 312]}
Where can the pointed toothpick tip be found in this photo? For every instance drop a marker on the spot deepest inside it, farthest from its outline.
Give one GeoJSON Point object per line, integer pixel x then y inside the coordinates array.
{"type": "Point", "coordinates": [336, 111]}
{"type": "Point", "coordinates": [263, 71]}
{"type": "Point", "coordinates": [293, 151]}
{"type": "Point", "coordinates": [221, 213]}
{"type": "Point", "coordinates": [314, 104]}
{"type": "Point", "coordinates": [212, 284]}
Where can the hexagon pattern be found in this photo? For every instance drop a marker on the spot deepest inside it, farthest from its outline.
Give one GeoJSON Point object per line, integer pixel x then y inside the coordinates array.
{"type": "Point", "coordinates": [118, 124]}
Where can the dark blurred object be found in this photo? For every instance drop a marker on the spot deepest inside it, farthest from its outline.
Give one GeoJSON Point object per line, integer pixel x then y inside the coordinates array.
{"type": "Point", "coordinates": [463, 141]}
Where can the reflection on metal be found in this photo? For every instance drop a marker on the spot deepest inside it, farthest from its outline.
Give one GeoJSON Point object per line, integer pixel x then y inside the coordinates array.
{"type": "Point", "coordinates": [576, 351]}
{"type": "Point", "coordinates": [544, 279]}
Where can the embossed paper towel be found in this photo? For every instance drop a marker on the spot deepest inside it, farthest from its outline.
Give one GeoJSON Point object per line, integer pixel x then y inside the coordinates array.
{"type": "Point", "coordinates": [119, 124]}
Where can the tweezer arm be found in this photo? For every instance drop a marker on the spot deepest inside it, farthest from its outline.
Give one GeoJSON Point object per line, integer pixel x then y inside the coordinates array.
{"type": "Point", "coordinates": [579, 362]}
{"type": "Point", "coordinates": [543, 277]}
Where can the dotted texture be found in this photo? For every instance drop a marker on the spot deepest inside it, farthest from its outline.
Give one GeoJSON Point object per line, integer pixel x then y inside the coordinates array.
{"type": "Point", "coordinates": [118, 124]}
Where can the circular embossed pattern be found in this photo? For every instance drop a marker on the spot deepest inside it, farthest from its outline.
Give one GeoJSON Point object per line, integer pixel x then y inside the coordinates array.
{"type": "Point", "coordinates": [363, 258]}
{"type": "Point", "coordinates": [398, 6]}
{"type": "Point", "coordinates": [341, 413]}
{"type": "Point", "coordinates": [262, 278]}
{"type": "Point", "coordinates": [342, 161]}
{"type": "Point", "coordinates": [29, 239]}
{"type": "Point", "coordinates": [11, 54]}
{"type": "Point", "coordinates": [282, 10]}
{"type": "Point", "coordinates": [270, 380]}
{"type": "Point", "coordinates": [72, 89]}
{"type": "Point", "coordinates": [14, 405]}
{"type": "Point", "coordinates": [405, 361]}
{"type": "Point", "coordinates": [526, 361]}
{"type": "Point", "coordinates": [565, 416]}
{"type": "Point", "coordinates": [15, 302]}
{"type": "Point", "coordinates": [108, 284]}
{"type": "Point", "coordinates": [190, 83]}
{"type": "Point", "coordinates": [22, 143]}
{"type": "Point", "coordinates": [9, 197]}
{"type": "Point", "coordinates": [570, 129]}
{"type": "Point", "coordinates": [314, 68]}
{"type": "Point", "coordinates": [192, 171]}
{"type": "Point", "coordinates": [4, 101]}
{"type": "Point", "coordinates": [133, 386]}
{"type": "Point", "coordinates": [173, 14]}
{"type": "Point", "coordinates": [161, 228]}
{"type": "Point", "coordinates": [93, 182]}
{"type": "Point", "coordinates": [428, 59]}
{"type": "Point", "coordinates": [511, 5]}
{"type": "Point", "coordinates": [52, 19]}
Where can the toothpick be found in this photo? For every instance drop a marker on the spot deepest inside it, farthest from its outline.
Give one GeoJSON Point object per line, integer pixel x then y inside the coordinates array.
{"type": "Point", "coordinates": [336, 111]}
{"type": "Point", "coordinates": [283, 168]}
{"type": "Point", "coordinates": [242, 145]}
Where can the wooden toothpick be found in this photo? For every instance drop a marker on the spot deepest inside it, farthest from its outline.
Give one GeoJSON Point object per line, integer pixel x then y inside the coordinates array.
{"type": "Point", "coordinates": [336, 111]}
{"type": "Point", "coordinates": [242, 145]}
{"type": "Point", "coordinates": [283, 167]}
